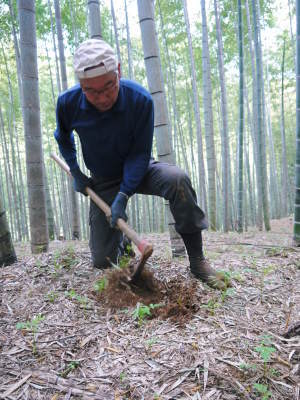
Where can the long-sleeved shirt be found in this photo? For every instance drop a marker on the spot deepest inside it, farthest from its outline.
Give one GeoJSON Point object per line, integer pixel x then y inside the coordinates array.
{"type": "Point", "coordinates": [115, 143]}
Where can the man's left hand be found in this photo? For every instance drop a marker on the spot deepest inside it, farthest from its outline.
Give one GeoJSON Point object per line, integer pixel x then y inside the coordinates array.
{"type": "Point", "coordinates": [118, 209]}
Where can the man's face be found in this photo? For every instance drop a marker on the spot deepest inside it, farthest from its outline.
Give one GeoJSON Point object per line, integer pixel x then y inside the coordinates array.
{"type": "Point", "coordinates": [102, 91]}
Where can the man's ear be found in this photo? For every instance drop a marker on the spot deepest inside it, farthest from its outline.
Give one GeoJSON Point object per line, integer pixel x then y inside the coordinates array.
{"type": "Point", "coordinates": [119, 70]}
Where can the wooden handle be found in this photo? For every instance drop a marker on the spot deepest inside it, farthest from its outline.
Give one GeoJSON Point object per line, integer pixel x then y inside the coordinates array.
{"type": "Point", "coordinates": [144, 247]}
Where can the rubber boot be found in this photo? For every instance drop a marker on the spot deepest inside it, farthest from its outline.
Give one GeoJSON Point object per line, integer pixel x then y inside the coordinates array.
{"type": "Point", "coordinates": [199, 266]}
{"type": "Point", "coordinates": [201, 269]}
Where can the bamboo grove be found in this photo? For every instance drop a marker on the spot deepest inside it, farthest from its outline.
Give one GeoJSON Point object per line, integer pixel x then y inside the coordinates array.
{"type": "Point", "coordinates": [224, 90]}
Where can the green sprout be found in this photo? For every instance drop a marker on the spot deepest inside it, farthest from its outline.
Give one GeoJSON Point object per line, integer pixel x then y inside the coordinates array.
{"type": "Point", "coordinates": [122, 376]}
{"type": "Point", "coordinates": [70, 367]}
{"type": "Point", "coordinates": [31, 326]}
{"type": "Point", "coordinates": [64, 259]}
{"type": "Point", "coordinates": [263, 390]}
{"type": "Point", "coordinates": [227, 293]}
{"type": "Point", "coordinates": [248, 367]}
{"type": "Point", "coordinates": [123, 261]}
{"type": "Point", "coordinates": [142, 311]}
{"type": "Point", "coordinates": [81, 299]}
{"type": "Point", "coordinates": [150, 342]}
{"type": "Point", "coordinates": [51, 296]}
{"type": "Point", "coordinates": [265, 351]}
{"type": "Point", "coordinates": [100, 285]}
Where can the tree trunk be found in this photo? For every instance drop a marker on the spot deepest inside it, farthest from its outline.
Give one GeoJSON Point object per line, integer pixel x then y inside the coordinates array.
{"type": "Point", "coordinates": [201, 168]}
{"type": "Point", "coordinates": [11, 180]}
{"type": "Point", "coordinates": [208, 118]}
{"type": "Point", "coordinates": [130, 76]}
{"type": "Point", "coordinates": [274, 190]}
{"type": "Point", "coordinates": [261, 140]}
{"type": "Point", "coordinates": [241, 122]}
{"type": "Point", "coordinates": [284, 167]}
{"type": "Point", "coordinates": [116, 31]}
{"type": "Point", "coordinates": [291, 32]}
{"type": "Point", "coordinates": [63, 71]}
{"type": "Point", "coordinates": [226, 177]}
{"type": "Point", "coordinates": [95, 31]}
{"type": "Point", "coordinates": [32, 127]}
{"type": "Point", "coordinates": [259, 213]}
{"type": "Point", "coordinates": [54, 49]}
{"type": "Point", "coordinates": [7, 252]}
{"type": "Point", "coordinates": [156, 88]}
{"type": "Point", "coordinates": [297, 171]}
{"type": "Point", "coordinates": [130, 67]}
{"type": "Point", "coordinates": [171, 77]}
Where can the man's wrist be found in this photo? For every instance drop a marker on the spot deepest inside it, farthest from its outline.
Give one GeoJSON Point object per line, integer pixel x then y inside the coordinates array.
{"type": "Point", "coordinates": [75, 172]}
{"type": "Point", "coordinates": [125, 195]}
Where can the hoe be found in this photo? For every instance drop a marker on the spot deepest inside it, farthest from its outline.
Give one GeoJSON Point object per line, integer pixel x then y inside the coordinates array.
{"type": "Point", "coordinates": [143, 246]}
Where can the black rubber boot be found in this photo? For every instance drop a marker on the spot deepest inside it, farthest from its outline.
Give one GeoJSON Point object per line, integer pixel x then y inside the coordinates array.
{"type": "Point", "coordinates": [201, 269]}
{"type": "Point", "coordinates": [199, 266]}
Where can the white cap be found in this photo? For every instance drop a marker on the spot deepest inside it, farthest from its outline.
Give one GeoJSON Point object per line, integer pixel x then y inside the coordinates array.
{"type": "Point", "coordinates": [94, 57]}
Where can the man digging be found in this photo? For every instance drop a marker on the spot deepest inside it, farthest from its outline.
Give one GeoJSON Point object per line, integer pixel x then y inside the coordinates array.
{"type": "Point", "coordinates": [114, 119]}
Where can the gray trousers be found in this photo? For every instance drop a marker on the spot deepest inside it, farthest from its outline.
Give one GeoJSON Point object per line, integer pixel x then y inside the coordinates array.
{"type": "Point", "coordinates": [161, 179]}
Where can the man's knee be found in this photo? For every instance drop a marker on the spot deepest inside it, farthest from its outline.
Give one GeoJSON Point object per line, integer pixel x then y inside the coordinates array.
{"type": "Point", "coordinates": [179, 182]}
{"type": "Point", "coordinates": [177, 176]}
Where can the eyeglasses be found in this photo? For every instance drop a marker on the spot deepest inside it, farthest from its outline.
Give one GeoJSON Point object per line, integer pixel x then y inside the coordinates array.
{"type": "Point", "coordinates": [105, 91]}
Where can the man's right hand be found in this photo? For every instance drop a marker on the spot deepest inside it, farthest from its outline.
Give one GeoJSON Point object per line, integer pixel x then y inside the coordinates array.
{"type": "Point", "coordinates": [81, 181]}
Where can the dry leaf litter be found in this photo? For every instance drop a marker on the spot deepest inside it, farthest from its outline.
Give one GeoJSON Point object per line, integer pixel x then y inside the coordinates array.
{"type": "Point", "coordinates": [61, 338]}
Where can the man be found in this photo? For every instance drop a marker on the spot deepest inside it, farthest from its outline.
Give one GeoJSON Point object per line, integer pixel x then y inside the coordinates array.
{"type": "Point", "coordinates": [114, 120]}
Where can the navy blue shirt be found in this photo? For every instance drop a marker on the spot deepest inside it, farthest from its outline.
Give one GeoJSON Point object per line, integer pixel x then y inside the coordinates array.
{"type": "Point", "coordinates": [116, 143]}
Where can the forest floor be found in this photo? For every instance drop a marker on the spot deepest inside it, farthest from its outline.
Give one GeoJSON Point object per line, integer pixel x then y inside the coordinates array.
{"type": "Point", "coordinates": [70, 331]}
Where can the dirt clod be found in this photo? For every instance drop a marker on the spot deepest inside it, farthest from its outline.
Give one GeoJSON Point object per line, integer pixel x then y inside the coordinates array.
{"type": "Point", "coordinates": [177, 298]}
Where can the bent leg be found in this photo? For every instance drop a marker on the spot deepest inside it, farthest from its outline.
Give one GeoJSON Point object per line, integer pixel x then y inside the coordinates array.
{"type": "Point", "coordinates": [104, 240]}
{"type": "Point", "coordinates": [173, 184]}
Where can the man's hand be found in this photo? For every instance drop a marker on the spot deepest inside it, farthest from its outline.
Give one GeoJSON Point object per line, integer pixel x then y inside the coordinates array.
{"type": "Point", "coordinates": [81, 181]}
{"type": "Point", "coordinates": [118, 208]}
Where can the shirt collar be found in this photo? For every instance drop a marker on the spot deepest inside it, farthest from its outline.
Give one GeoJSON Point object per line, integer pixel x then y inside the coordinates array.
{"type": "Point", "coordinates": [119, 105]}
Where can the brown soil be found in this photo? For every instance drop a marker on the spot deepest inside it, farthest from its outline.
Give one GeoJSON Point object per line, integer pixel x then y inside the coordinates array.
{"type": "Point", "coordinates": [177, 298]}
{"type": "Point", "coordinates": [201, 343]}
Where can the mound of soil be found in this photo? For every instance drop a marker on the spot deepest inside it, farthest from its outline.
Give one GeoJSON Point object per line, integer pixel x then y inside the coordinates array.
{"type": "Point", "coordinates": [177, 298]}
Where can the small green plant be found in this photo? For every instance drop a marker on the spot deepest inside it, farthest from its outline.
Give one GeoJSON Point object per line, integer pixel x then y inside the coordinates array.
{"type": "Point", "coordinates": [274, 372]}
{"type": "Point", "coordinates": [122, 376]}
{"type": "Point", "coordinates": [31, 326]}
{"type": "Point", "coordinates": [263, 390]}
{"type": "Point", "coordinates": [237, 276]}
{"type": "Point", "coordinates": [51, 296]}
{"type": "Point", "coordinates": [65, 258]}
{"type": "Point", "coordinates": [141, 312]}
{"type": "Point", "coordinates": [123, 261]}
{"type": "Point", "coordinates": [70, 367]}
{"type": "Point", "coordinates": [100, 285]}
{"type": "Point", "coordinates": [227, 293]}
{"type": "Point", "coordinates": [276, 251]}
{"type": "Point", "coordinates": [57, 268]}
{"type": "Point", "coordinates": [150, 342]}
{"type": "Point", "coordinates": [265, 351]}
{"type": "Point", "coordinates": [212, 305]}
{"type": "Point", "coordinates": [248, 367]}
{"type": "Point", "coordinates": [81, 299]}
{"type": "Point", "coordinates": [227, 278]}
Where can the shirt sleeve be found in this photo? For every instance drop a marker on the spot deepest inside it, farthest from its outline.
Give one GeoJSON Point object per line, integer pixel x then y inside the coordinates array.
{"type": "Point", "coordinates": [64, 135]}
{"type": "Point", "coordinates": [137, 161]}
